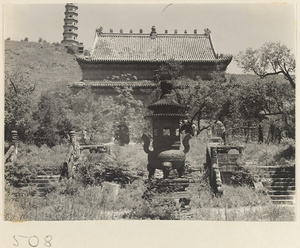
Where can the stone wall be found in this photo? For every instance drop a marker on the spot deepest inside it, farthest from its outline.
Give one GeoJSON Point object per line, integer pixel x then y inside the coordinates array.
{"type": "Point", "coordinates": [142, 71]}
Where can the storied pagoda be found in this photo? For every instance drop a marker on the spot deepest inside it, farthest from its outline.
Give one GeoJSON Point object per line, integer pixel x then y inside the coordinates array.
{"type": "Point", "coordinates": [70, 28]}
{"type": "Point", "coordinates": [130, 59]}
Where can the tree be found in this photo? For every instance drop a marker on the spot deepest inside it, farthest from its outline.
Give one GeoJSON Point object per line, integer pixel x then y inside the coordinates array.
{"type": "Point", "coordinates": [268, 103]}
{"type": "Point", "coordinates": [18, 103]}
{"type": "Point", "coordinates": [271, 59]}
{"type": "Point", "coordinates": [131, 110]}
{"type": "Point", "coordinates": [205, 100]}
{"type": "Point", "coordinates": [170, 70]}
{"type": "Point", "coordinates": [52, 119]}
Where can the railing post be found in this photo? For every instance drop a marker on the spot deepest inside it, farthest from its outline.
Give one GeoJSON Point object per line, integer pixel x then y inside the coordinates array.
{"type": "Point", "coordinates": [216, 174]}
{"type": "Point", "coordinates": [72, 137]}
{"type": "Point", "coordinates": [14, 140]}
{"type": "Point", "coordinates": [71, 154]}
{"type": "Point", "coordinates": [214, 159]}
{"type": "Point", "coordinates": [14, 137]}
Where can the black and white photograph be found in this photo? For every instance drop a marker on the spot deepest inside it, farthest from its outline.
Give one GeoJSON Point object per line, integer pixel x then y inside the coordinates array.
{"type": "Point", "coordinates": [177, 112]}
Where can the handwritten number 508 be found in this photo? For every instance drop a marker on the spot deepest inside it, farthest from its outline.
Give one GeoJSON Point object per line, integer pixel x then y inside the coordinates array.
{"type": "Point", "coordinates": [33, 241]}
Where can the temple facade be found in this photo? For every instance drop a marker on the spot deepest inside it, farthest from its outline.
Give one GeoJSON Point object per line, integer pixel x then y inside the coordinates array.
{"type": "Point", "coordinates": [130, 59]}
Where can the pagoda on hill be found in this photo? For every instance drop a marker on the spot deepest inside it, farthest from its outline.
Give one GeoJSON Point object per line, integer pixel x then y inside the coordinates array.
{"type": "Point", "coordinates": [70, 28]}
{"type": "Point", "coordinates": [130, 59]}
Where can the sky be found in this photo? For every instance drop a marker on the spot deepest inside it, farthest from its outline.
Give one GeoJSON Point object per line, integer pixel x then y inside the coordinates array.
{"type": "Point", "coordinates": [234, 27]}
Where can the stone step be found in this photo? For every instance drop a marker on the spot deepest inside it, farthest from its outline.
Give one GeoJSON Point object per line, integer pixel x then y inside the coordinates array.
{"type": "Point", "coordinates": [282, 185]}
{"type": "Point", "coordinates": [282, 197]}
{"type": "Point", "coordinates": [283, 169]}
{"type": "Point", "coordinates": [281, 175]}
{"type": "Point", "coordinates": [169, 180]}
{"type": "Point", "coordinates": [273, 187]}
{"type": "Point", "coordinates": [282, 192]}
{"type": "Point", "coordinates": [37, 181]}
{"type": "Point", "coordinates": [276, 167]}
{"type": "Point", "coordinates": [39, 188]}
{"type": "Point", "coordinates": [42, 185]}
{"type": "Point", "coordinates": [283, 179]}
{"type": "Point", "coordinates": [279, 184]}
{"type": "Point", "coordinates": [55, 177]}
{"type": "Point", "coordinates": [175, 184]}
{"type": "Point", "coordinates": [42, 182]}
{"type": "Point", "coordinates": [45, 179]}
{"type": "Point", "coordinates": [283, 202]}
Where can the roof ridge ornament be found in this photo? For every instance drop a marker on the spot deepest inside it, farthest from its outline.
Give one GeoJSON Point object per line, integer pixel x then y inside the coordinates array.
{"type": "Point", "coordinates": [207, 31]}
{"type": "Point", "coordinates": [99, 30]}
{"type": "Point", "coordinates": [153, 32]}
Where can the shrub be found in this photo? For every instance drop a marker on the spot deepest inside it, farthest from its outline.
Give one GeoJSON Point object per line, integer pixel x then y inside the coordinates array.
{"type": "Point", "coordinates": [156, 209]}
{"type": "Point", "coordinates": [155, 203]}
{"type": "Point", "coordinates": [232, 197]}
{"type": "Point", "coordinates": [32, 161]}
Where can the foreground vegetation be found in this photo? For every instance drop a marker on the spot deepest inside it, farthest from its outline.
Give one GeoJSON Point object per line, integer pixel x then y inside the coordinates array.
{"type": "Point", "coordinates": [78, 203]}
{"type": "Point", "coordinates": [75, 200]}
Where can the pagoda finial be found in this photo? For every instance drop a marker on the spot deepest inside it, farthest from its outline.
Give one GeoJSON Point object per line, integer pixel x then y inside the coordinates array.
{"type": "Point", "coordinates": [166, 88]}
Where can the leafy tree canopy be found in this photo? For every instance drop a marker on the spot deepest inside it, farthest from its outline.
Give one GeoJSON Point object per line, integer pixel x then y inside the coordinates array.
{"type": "Point", "coordinates": [170, 70]}
{"type": "Point", "coordinates": [271, 59]}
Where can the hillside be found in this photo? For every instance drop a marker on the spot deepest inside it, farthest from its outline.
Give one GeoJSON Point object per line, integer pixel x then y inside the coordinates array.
{"type": "Point", "coordinates": [49, 66]}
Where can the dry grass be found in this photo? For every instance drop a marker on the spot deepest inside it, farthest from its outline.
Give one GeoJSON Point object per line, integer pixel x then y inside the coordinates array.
{"type": "Point", "coordinates": [72, 201]}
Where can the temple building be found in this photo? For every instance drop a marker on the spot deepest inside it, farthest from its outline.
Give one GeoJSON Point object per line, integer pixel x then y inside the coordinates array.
{"type": "Point", "coordinates": [130, 59]}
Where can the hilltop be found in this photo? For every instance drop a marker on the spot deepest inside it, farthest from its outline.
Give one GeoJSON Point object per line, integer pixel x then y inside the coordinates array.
{"type": "Point", "coordinates": [48, 66]}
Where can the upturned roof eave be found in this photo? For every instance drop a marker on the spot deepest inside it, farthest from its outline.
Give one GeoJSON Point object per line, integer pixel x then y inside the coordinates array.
{"type": "Point", "coordinates": [114, 84]}
{"type": "Point", "coordinates": [165, 115]}
{"type": "Point", "coordinates": [94, 60]}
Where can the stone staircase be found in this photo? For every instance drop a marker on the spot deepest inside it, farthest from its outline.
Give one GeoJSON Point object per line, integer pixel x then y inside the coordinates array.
{"type": "Point", "coordinates": [43, 182]}
{"type": "Point", "coordinates": [281, 184]}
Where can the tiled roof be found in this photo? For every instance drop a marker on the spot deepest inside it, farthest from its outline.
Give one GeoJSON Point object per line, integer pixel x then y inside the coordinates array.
{"type": "Point", "coordinates": [112, 47]}
{"type": "Point", "coordinates": [165, 102]}
{"type": "Point", "coordinates": [166, 114]}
